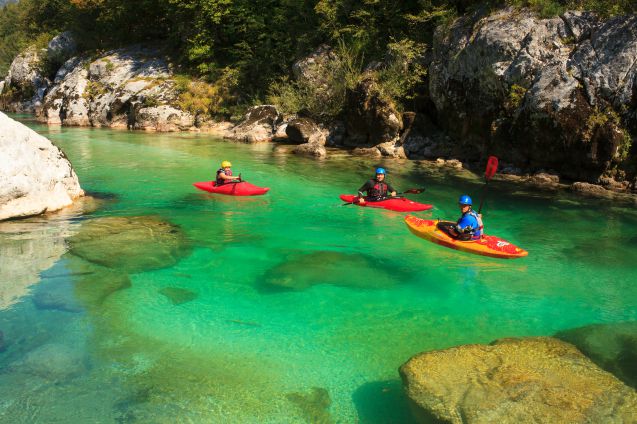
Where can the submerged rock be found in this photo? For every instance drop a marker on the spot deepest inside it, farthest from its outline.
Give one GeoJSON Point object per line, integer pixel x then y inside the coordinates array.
{"type": "Point", "coordinates": [177, 295]}
{"type": "Point", "coordinates": [611, 346]}
{"type": "Point", "coordinates": [54, 362]}
{"type": "Point", "coordinates": [314, 405]}
{"type": "Point", "coordinates": [515, 381]}
{"type": "Point", "coordinates": [59, 297]}
{"type": "Point", "coordinates": [130, 244]}
{"type": "Point", "coordinates": [300, 272]}
{"type": "Point", "coordinates": [35, 175]}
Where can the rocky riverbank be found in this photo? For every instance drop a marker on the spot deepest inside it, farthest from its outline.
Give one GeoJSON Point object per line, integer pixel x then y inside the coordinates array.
{"type": "Point", "coordinates": [554, 98]}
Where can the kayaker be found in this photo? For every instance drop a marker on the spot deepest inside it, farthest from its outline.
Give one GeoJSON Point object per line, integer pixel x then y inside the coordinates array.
{"type": "Point", "coordinates": [376, 189]}
{"type": "Point", "coordinates": [469, 226]}
{"type": "Point", "coordinates": [224, 174]}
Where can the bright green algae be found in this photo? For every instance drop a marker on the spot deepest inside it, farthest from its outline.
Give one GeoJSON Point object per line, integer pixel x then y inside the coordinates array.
{"type": "Point", "coordinates": [289, 307]}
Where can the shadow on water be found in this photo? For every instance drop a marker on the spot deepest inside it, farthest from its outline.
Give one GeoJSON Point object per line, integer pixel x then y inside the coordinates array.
{"type": "Point", "coordinates": [613, 347]}
{"type": "Point", "coordinates": [382, 402]}
{"type": "Point", "coordinates": [354, 270]}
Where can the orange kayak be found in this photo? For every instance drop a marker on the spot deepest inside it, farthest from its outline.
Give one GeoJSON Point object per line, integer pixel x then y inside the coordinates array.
{"type": "Point", "coordinates": [486, 246]}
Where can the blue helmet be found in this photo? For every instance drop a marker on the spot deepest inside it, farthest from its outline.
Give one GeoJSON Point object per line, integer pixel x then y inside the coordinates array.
{"type": "Point", "coordinates": [380, 171]}
{"type": "Point", "coordinates": [465, 200]}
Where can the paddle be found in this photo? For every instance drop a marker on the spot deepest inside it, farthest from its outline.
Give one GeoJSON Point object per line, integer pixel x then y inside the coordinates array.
{"type": "Point", "coordinates": [492, 168]}
{"type": "Point", "coordinates": [408, 191]}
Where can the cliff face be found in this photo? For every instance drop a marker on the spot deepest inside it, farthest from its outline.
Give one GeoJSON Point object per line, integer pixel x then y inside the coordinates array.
{"type": "Point", "coordinates": [556, 93]}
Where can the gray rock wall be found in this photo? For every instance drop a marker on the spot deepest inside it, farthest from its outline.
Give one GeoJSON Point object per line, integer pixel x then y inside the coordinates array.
{"type": "Point", "coordinates": [557, 93]}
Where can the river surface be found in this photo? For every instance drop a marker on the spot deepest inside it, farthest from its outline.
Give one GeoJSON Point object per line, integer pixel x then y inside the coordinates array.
{"type": "Point", "coordinates": [287, 307]}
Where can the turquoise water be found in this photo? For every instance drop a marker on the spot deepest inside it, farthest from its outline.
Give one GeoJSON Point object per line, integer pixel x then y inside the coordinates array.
{"type": "Point", "coordinates": [283, 308]}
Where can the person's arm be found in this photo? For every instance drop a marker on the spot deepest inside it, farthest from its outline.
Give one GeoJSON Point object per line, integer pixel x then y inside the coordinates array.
{"type": "Point", "coordinates": [391, 190]}
{"type": "Point", "coordinates": [364, 189]}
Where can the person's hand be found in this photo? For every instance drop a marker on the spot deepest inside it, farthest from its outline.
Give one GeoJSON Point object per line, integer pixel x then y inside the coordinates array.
{"type": "Point", "coordinates": [393, 194]}
{"type": "Point", "coordinates": [361, 200]}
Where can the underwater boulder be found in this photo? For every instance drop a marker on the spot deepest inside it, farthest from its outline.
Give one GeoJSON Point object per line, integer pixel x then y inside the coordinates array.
{"type": "Point", "coordinates": [130, 244]}
{"type": "Point", "coordinates": [355, 270]}
{"type": "Point", "coordinates": [613, 347]}
{"type": "Point", "coordinates": [531, 380]}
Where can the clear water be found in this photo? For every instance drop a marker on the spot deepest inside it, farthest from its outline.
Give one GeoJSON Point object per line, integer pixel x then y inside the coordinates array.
{"type": "Point", "coordinates": [283, 308]}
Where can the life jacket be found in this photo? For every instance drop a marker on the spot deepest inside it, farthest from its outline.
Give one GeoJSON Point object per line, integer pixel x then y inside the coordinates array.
{"type": "Point", "coordinates": [473, 233]}
{"type": "Point", "coordinates": [221, 181]}
{"type": "Point", "coordinates": [378, 191]}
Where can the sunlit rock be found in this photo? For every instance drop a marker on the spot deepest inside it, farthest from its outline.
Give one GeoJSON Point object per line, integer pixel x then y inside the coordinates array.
{"type": "Point", "coordinates": [35, 175]}
{"type": "Point", "coordinates": [515, 381]}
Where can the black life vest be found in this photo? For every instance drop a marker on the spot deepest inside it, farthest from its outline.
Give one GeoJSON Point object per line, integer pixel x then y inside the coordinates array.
{"type": "Point", "coordinates": [378, 191]}
{"type": "Point", "coordinates": [221, 181]}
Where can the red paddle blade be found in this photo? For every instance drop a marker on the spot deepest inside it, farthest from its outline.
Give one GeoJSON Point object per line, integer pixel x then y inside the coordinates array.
{"type": "Point", "coordinates": [492, 167]}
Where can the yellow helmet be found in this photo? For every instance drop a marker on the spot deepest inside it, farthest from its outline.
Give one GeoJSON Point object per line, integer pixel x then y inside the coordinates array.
{"type": "Point", "coordinates": [226, 164]}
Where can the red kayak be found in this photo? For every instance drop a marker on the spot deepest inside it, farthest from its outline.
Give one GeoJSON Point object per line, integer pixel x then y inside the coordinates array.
{"type": "Point", "coordinates": [397, 204]}
{"type": "Point", "coordinates": [232, 189]}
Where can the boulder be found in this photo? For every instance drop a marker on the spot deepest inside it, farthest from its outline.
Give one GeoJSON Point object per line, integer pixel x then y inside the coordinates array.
{"type": "Point", "coordinates": [590, 189]}
{"type": "Point", "coordinates": [26, 81]}
{"type": "Point", "coordinates": [371, 118]}
{"type": "Point", "coordinates": [131, 244]}
{"type": "Point", "coordinates": [66, 102]}
{"type": "Point", "coordinates": [35, 175]}
{"type": "Point", "coordinates": [162, 118]}
{"type": "Point", "coordinates": [515, 381]}
{"type": "Point", "coordinates": [312, 67]}
{"type": "Point", "coordinates": [61, 48]}
{"type": "Point", "coordinates": [611, 346]}
{"type": "Point", "coordinates": [544, 179]}
{"type": "Point", "coordinates": [281, 132]}
{"type": "Point", "coordinates": [258, 125]}
{"type": "Point", "coordinates": [300, 130]}
{"type": "Point", "coordinates": [310, 149]}
{"type": "Point", "coordinates": [54, 362]}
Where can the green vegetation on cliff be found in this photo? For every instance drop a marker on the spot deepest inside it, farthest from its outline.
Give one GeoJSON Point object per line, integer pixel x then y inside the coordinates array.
{"type": "Point", "coordinates": [245, 48]}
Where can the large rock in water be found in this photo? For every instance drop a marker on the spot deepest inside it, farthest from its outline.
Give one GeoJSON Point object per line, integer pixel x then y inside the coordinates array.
{"type": "Point", "coordinates": [35, 175]}
{"type": "Point", "coordinates": [556, 93]}
{"type": "Point", "coordinates": [534, 380]}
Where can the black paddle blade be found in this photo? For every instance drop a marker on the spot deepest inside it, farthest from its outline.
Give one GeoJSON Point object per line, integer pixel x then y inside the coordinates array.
{"type": "Point", "coordinates": [414, 190]}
